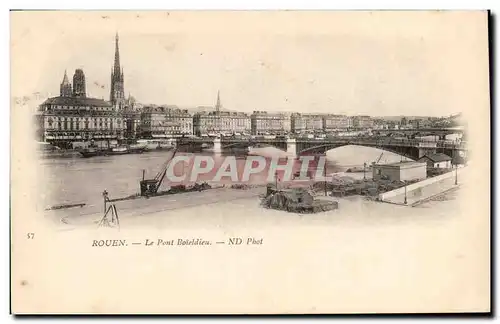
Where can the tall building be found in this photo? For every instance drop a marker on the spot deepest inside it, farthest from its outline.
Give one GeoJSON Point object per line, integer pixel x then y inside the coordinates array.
{"type": "Point", "coordinates": [117, 93]}
{"type": "Point", "coordinates": [306, 122]}
{"type": "Point", "coordinates": [165, 122]}
{"type": "Point", "coordinates": [224, 122]}
{"type": "Point", "coordinates": [335, 122]}
{"type": "Point", "coordinates": [79, 89]}
{"type": "Point", "coordinates": [72, 120]}
{"type": "Point", "coordinates": [362, 122]}
{"type": "Point", "coordinates": [65, 87]}
{"type": "Point", "coordinates": [220, 122]}
{"type": "Point", "coordinates": [267, 123]}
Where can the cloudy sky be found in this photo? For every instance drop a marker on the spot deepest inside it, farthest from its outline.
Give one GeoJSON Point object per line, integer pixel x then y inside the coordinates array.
{"type": "Point", "coordinates": [379, 63]}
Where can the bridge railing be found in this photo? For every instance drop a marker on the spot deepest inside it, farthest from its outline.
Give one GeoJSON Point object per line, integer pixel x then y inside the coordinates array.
{"type": "Point", "coordinates": [388, 141]}
{"type": "Point", "coordinates": [375, 141]}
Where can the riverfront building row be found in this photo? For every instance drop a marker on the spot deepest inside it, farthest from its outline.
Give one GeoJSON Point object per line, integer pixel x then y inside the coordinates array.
{"type": "Point", "coordinates": [74, 117]}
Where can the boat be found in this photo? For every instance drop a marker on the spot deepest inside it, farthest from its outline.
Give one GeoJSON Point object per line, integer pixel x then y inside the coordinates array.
{"type": "Point", "coordinates": [164, 147]}
{"type": "Point", "coordinates": [136, 149]}
{"type": "Point", "coordinates": [48, 151]}
{"type": "Point", "coordinates": [59, 154]}
{"type": "Point", "coordinates": [91, 152]}
{"type": "Point", "coordinates": [156, 144]}
{"type": "Point", "coordinates": [119, 150]}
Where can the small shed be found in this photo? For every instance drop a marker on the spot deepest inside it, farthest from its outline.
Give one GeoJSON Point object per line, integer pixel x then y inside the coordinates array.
{"type": "Point", "coordinates": [400, 171]}
{"type": "Point", "coordinates": [436, 160]}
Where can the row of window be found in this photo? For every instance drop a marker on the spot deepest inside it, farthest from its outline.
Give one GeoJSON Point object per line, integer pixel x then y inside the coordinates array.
{"type": "Point", "coordinates": [165, 128]}
{"type": "Point", "coordinates": [60, 133]}
{"type": "Point", "coordinates": [222, 128]}
{"type": "Point", "coordinates": [50, 120]}
{"type": "Point", "coordinates": [74, 124]}
{"type": "Point", "coordinates": [167, 124]}
{"type": "Point", "coordinates": [82, 114]}
{"type": "Point", "coordinates": [262, 125]}
{"type": "Point", "coordinates": [57, 107]}
{"type": "Point", "coordinates": [227, 123]}
{"type": "Point", "coordinates": [170, 133]}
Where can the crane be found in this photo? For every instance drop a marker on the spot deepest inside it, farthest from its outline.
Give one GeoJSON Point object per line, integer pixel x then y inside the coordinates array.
{"type": "Point", "coordinates": [150, 186]}
{"type": "Point", "coordinates": [378, 160]}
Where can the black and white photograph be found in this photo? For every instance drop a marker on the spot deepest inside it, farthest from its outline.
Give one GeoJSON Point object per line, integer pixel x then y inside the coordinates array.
{"type": "Point", "coordinates": [250, 162]}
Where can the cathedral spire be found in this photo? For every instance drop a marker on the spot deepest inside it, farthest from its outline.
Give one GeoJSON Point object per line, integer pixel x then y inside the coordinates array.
{"type": "Point", "coordinates": [117, 96]}
{"type": "Point", "coordinates": [65, 78]}
{"type": "Point", "coordinates": [217, 105]}
{"type": "Point", "coordinates": [117, 56]}
{"type": "Point", "coordinates": [65, 89]}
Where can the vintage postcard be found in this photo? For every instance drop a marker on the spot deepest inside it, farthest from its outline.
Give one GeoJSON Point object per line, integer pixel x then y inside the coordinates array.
{"type": "Point", "coordinates": [250, 162]}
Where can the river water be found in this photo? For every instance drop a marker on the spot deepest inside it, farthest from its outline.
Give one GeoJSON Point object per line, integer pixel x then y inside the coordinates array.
{"type": "Point", "coordinates": [361, 251]}
{"type": "Point", "coordinates": [82, 180]}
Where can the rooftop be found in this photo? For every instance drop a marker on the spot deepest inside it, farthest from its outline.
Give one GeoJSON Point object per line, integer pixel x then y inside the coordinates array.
{"type": "Point", "coordinates": [76, 101]}
{"type": "Point", "coordinates": [437, 157]}
{"type": "Point", "coordinates": [402, 164]}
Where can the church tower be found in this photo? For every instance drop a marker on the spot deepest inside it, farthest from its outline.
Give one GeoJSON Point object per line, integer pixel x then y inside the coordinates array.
{"type": "Point", "coordinates": [117, 93]}
{"type": "Point", "coordinates": [79, 88]}
{"type": "Point", "coordinates": [218, 105]}
{"type": "Point", "coordinates": [65, 88]}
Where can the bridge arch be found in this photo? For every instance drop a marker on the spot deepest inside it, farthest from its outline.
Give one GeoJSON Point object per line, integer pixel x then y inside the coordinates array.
{"type": "Point", "coordinates": [235, 145]}
{"type": "Point", "coordinates": [410, 153]}
{"type": "Point", "coordinates": [277, 143]}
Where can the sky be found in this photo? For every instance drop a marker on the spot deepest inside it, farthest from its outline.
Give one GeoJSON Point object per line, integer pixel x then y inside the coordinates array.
{"type": "Point", "coordinates": [375, 63]}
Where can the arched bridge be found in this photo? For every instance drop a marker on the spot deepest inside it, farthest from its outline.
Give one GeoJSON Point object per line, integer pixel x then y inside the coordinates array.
{"type": "Point", "coordinates": [411, 148]}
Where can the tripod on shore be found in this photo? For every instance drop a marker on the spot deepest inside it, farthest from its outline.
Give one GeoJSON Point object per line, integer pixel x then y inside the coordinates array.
{"type": "Point", "coordinates": [115, 220]}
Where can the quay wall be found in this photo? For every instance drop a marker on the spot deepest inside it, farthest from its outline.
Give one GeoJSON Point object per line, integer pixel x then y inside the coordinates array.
{"type": "Point", "coordinates": [422, 190]}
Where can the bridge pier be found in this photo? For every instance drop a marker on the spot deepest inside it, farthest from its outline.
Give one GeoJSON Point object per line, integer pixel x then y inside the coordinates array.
{"type": "Point", "coordinates": [424, 151]}
{"type": "Point", "coordinates": [291, 146]}
{"type": "Point", "coordinates": [217, 145]}
{"type": "Point", "coordinates": [426, 148]}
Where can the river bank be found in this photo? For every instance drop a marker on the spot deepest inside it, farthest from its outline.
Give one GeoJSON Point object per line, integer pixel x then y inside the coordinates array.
{"type": "Point", "coordinates": [92, 213]}
{"type": "Point", "coordinates": [236, 207]}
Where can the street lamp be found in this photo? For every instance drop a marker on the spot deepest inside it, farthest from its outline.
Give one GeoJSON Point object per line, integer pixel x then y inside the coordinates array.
{"type": "Point", "coordinates": [456, 174]}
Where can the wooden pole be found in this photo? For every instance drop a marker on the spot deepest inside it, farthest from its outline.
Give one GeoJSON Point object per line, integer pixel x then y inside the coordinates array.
{"type": "Point", "coordinates": [406, 201]}
{"type": "Point", "coordinates": [324, 171]}
{"type": "Point", "coordinates": [456, 165]}
{"type": "Point", "coordinates": [117, 218]}
{"type": "Point", "coordinates": [105, 196]}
